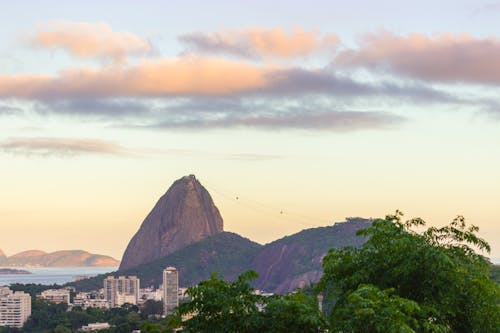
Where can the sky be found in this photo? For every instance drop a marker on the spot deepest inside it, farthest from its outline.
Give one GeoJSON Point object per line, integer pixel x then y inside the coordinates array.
{"type": "Point", "coordinates": [308, 112]}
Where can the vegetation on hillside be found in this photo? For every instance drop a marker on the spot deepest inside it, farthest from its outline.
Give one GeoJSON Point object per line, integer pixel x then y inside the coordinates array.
{"type": "Point", "coordinates": [226, 253]}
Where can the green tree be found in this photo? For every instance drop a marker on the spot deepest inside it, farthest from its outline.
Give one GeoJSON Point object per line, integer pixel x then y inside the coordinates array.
{"type": "Point", "coordinates": [152, 308]}
{"type": "Point", "coordinates": [297, 312]}
{"type": "Point", "coordinates": [220, 306]}
{"type": "Point", "coordinates": [433, 281]}
{"type": "Point", "coordinates": [61, 329]}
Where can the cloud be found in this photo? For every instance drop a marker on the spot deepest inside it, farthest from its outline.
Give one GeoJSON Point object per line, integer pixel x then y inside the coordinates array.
{"type": "Point", "coordinates": [257, 43]}
{"type": "Point", "coordinates": [90, 40]}
{"type": "Point", "coordinates": [163, 77]}
{"type": "Point", "coordinates": [6, 109]}
{"type": "Point", "coordinates": [198, 76]}
{"type": "Point", "coordinates": [443, 58]}
{"type": "Point", "coordinates": [295, 117]}
{"type": "Point", "coordinates": [71, 147]}
{"type": "Point", "coordinates": [94, 107]}
{"type": "Point", "coordinates": [45, 146]}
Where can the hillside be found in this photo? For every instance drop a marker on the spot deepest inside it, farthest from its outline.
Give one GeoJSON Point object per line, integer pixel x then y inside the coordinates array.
{"type": "Point", "coordinates": [68, 258]}
{"type": "Point", "coordinates": [225, 253]}
{"type": "Point", "coordinates": [295, 261]}
{"type": "Point", "coordinates": [283, 265]}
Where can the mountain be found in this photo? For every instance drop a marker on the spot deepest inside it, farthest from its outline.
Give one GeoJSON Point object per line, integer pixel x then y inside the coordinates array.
{"type": "Point", "coordinates": [183, 215]}
{"type": "Point", "coordinates": [283, 265]}
{"type": "Point", "coordinates": [2, 255]}
{"type": "Point", "coordinates": [28, 254]}
{"type": "Point", "coordinates": [226, 253]}
{"type": "Point", "coordinates": [295, 261]}
{"type": "Point", "coordinates": [69, 258]}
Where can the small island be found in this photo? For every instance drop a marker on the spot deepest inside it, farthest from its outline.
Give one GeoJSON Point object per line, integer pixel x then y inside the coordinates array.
{"type": "Point", "coordinates": [11, 271]}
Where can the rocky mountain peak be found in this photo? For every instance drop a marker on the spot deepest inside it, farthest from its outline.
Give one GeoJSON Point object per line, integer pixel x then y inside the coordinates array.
{"type": "Point", "coordinates": [185, 214]}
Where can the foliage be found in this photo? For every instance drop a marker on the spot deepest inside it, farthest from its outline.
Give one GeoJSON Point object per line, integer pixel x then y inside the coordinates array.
{"type": "Point", "coordinates": [369, 309]}
{"type": "Point", "coordinates": [427, 282]}
{"type": "Point", "coordinates": [152, 308]}
{"type": "Point", "coordinates": [220, 306]}
{"type": "Point", "coordinates": [32, 288]}
{"type": "Point", "coordinates": [296, 312]}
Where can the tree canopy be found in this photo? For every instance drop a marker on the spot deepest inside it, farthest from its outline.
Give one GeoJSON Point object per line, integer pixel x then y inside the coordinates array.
{"type": "Point", "coordinates": [220, 306]}
{"type": "Point", "coordinates": [402, 280]}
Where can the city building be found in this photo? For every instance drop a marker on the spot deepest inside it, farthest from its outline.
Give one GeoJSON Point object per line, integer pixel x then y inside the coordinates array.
{"type": "Point", "coordinates": [121, 290]}
{"type": "Point", "coordinates": [15, 307]}
{"type": "Point", "coordinates": [90, 300]}
{"type": "Point", "coordinates": [150, 294]}
{"type": "Point", "coordinates": [56, 295]}
{"type": "Point", "coordinates": [170, 289]}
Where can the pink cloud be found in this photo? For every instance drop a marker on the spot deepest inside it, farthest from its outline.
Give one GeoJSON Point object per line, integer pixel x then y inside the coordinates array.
{"type": "Point", "coordinates": [90, 40]}
{"type": "Point", "coordinates": [444, 57]}
{"type": "Point", "coordinates": [46, 146]}
{"type": "Point", "coordinates": [176, 76]}
{"type": "Point", "coordinates": [261, 43]}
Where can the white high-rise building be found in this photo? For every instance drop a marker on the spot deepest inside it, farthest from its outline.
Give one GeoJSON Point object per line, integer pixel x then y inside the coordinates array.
{"type": "Point", "coordinates": [15, 307]}
{"type": "Point", "coordinates": [121, 290]}
{"type": "Point", "coordinates": [170, 289]}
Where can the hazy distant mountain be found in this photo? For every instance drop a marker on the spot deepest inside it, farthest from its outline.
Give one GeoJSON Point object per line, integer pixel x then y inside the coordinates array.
{"type": "Point", "coordinates": [69, 258]}
{"type": "Point", "coordinates": [2, 255]}
{"type": "Point", "coordinates": [283, 265]}
{"type": "Point", "coordinates": [183, 215]}
{"type": "Point", "coordinates": [28, 254]}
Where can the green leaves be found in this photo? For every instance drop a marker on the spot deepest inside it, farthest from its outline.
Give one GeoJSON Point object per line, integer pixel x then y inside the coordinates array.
{"type": "Point", "coordinates": [428, 282]}
{"type": "Point", "coordinates": [220, 306]}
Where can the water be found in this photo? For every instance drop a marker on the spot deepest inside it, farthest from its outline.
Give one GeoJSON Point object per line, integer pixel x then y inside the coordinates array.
{"type": "Point", "coordinates": [51, 275]}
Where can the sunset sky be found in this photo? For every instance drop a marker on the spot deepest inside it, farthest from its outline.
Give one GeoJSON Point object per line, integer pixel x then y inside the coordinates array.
{"type": "Point", "coordinates": [308, 113]}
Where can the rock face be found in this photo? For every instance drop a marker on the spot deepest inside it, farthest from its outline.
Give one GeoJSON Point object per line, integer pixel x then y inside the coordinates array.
{"type": "Point", "coordinates": [295, 261]}
{"type": "Point", "coordinates": [183, 215]}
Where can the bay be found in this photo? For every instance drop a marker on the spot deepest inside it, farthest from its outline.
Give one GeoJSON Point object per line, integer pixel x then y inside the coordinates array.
{"type": "Point", "coordinates": [51, 275]}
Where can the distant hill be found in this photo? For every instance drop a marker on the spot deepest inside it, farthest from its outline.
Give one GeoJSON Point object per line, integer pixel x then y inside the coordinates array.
{"type": "Point", "coordinates": [283, 265]}
{"type": "Point", "coordinates": [69, 258]}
